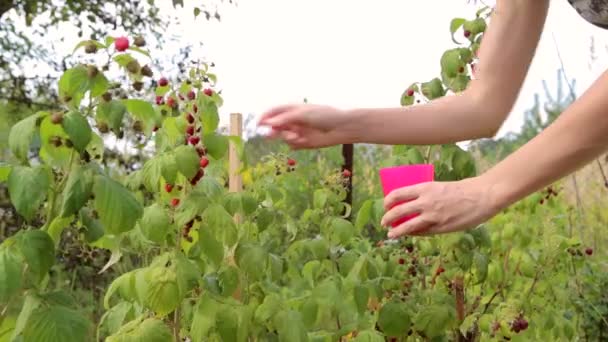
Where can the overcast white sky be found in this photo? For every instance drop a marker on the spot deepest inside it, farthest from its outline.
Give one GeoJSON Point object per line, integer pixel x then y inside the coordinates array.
{"type": "Point", "coordinates": [359, 53]}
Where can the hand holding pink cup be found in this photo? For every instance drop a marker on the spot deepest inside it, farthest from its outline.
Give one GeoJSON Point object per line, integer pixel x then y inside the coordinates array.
{"type": "Point", "coordinates": [401, 176]}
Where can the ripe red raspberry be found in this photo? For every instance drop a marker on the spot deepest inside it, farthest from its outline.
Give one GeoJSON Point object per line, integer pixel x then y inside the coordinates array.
{"type": "Point", "coordinates": [208, 92]}
{"type": "Point", "coordinates": [163, 82]}
{"type": "Point", "coordinates": [467, 34]}
{"type": "Point", "coordinates": [291, 162]}
{"type": "Point", "coordinates": [401, 261]}
{"type": "Point", "coordinates": [195, 108]}
{"type": "Point", "coordinates": [171, 102]}
{"type": "Point", "coordinates": [346, 173]}
{"type": "Point", "coordinates": [155, 128]}
{"type": "Point", "coordinates": [160, 100]}
{"type": "Point", "coordinates": [190, 118]}
{"type": "Point", "coordinates": [175, 202]}
{"type": "Point", "coordinates": [193, 140]}
{"type": "Point", "coordinates": [191, 95]}
{"type": "Point", "coordinates": [589, 251]}
{"type": "Point", "coordinates": [440, 270]}
{"type": "Point", "coordinates": [204, 162]}
{"type": "Point", "coordinates": [190, 130]}
{"type": "Point", "coordinates": [181, 97]}
{"type": "Point", "coordinates": [121, 44]}
{"type": "Point", "coordinates": [410, 92]}
{"type": "Point", "coordinates": [168, 187]}
{"type": "Point", "coordinates": [197, 177]}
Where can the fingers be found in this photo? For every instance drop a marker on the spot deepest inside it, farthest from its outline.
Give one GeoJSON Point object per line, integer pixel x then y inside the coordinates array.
{"type": "Point", "coordinates": [399, 211]}
{"type": "Point", "coordinates": [415, 226]}
{"type": "Point", "coordinates": [404, 194]}
{"type": "Point", "coordinates": [273, 112]}
{"type": "Point", "coordinates": [281, 117]}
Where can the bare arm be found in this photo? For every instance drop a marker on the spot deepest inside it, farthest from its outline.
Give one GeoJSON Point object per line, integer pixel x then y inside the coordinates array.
{"type": "Point", "coordinates": [575, 138]}
{"type": "Point", "coordinates": [505, 54]}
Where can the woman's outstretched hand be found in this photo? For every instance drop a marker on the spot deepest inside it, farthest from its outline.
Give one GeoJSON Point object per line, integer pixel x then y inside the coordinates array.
{"type": "Point", "coordinates": [306, 125]}
{"type": "Point", "coordinates": [443, 207]}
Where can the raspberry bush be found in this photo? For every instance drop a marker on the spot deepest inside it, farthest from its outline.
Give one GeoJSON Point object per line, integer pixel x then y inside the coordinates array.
{"type": "Point", "coordinates": [292, 267]}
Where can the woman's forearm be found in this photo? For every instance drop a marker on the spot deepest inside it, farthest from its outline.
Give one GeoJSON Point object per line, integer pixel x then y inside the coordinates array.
{"type": "Point", "coordinates": [444, 120]}
{"type": "Point", "coordinates": [578, 136]}
{"type": "Point", "coordinates": [505, 54]}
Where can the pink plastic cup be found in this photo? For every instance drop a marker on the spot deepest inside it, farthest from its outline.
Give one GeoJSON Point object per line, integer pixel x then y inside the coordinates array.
{"type": "Point", "coordinates": [401, 176]}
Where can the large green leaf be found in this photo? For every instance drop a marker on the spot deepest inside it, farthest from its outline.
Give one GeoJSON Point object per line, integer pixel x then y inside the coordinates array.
{"type": "Point", "coordinates": [155, 223]}
{"type": "Point", "coordinates": [162, 293]}
{"type": "Point", "coordinates": [113, 113]}
{"type": "Point", "coordinates": [53, 155]}
{"type": "Point", "coordinates": [209, 114]}
{"type": "Point", "coordinates": [38, 251]}
{"type": "Point", "coordinates": [21, 134]}
{"type": "Point", "coordinates": [27, 187]}
{"type": "Point", "coordinates": [77, 190]}
{"type": "Point", "coordinates": [143, 329]}
{"type": "Point", "coordinates": [217, 145]}
{"type": "Point", "coordinates": [290, 326]}
{"type": "Point", "coordinates": [434, 320]}
{"type": "Point", "coordinates": [75, 82]}
{"type": "Point", "coordinates": [118, 209]}
{"type": "Point", "coordinates": [143, 111]}
{"type": "Point", "coordinates": [57, 324]}
{"type": "Point", "coordinates": [78, 129]}
{"type": "Point", "coordinates": [187, 160]}
{"type": "Point", "coordinates": [10, 275]}
{"type": "Point", "coordinates": [394, 318]}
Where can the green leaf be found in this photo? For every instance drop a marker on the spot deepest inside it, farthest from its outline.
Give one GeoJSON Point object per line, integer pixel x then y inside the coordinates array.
{"type": "Point", "coordinates": [268, 309]}
{"type": "Point", "coordinates": [455, 24]}
{"type": "Point", "coordinates": [31, 303]}
{"type": "Point", "coordinates": [361, 295]}
{"type": "Point", "coordinates": [209, 114]}
{"type": "Point", "coordinates": [228, 280]}
{"type": "Point", "coordinates": [340, 231]}
{"type": "Point", "coordinates": [394, 318]}
{"type": "Point", "coordinates": [433, 89]}
{"type": "Point", "coordinates": [434, 320]}
{"type": "Point", "coordinates": [50, 153]}
{"type": "Point", "coordinates": [211, 248]}
{"type": "Point", "coordinates": [87, 42]}
{"type": "Point", "coordinates": [27, 188]}
{"type": "Point", "coordinates": [451, 63]}
{"type": "Point", "coordinates": [21, 134]}
{"type": "Point", "coordinates": [290, 326]}
{"type": "Point", "coordinates": [113, 319]}
{"type": "Point", "coordinates": [162, 293]}
{"type": "Point", "coordinates": [414, 156]}
{"type": "Point", "coordinates": [197, 11]}
{"type": "Point", "coordinates": [77, 190]}
{"type": "Point", "coordinates": [143, 329]}
{"type": "Point", "coordinates": [252, 260]}
{"type": "Point", "coordinates": [191, 206]}
{"type": "Point", "coordinates": [481, 267]}
{"type": "Point", "coordinates": [57, 227]}
{"type": "Point", "coordinates": [369, 336]}
{"type": "Point", "coordinates": [56, 324]}
{"type": "Point", "coordinates": [74, 84]}
{"type": "Point", "coordinates": [10, 275]}
{"type": "Point", "coordinates": [93, 229]}
{"type": "Point", "coordinates": [227, 323]}
{"type": "Point", "coordinates": [217, 145]}
{"type": "Point", "coordinates": [38, 250]}
{"type": "Point", "coordinates": [221, 223]}
{"type": "Point", "coordinates": [143, 110]}
{"type": "Point", "coordinates": [113, 113]}
{"type": "Point", "coordinates": [151, 173]}
{"type": "Point", "coordinates": [118, 209]}
{"type": "Point", "coordinates": [155, 223]}
{"type": "Point", "coordinates": [78, 129]}
{"type": "Point", "coordinates": [187, 161]}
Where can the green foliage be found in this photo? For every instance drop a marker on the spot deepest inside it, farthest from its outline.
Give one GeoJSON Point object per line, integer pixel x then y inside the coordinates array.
{"type": "Point", "coordinates": [279, 261]}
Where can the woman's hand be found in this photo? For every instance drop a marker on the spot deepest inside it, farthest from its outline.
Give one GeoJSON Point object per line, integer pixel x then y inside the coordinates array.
{"type": "Point", "coordinates": [307, 126]}
{"type": "Point", "coordinates": [443, 207]}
